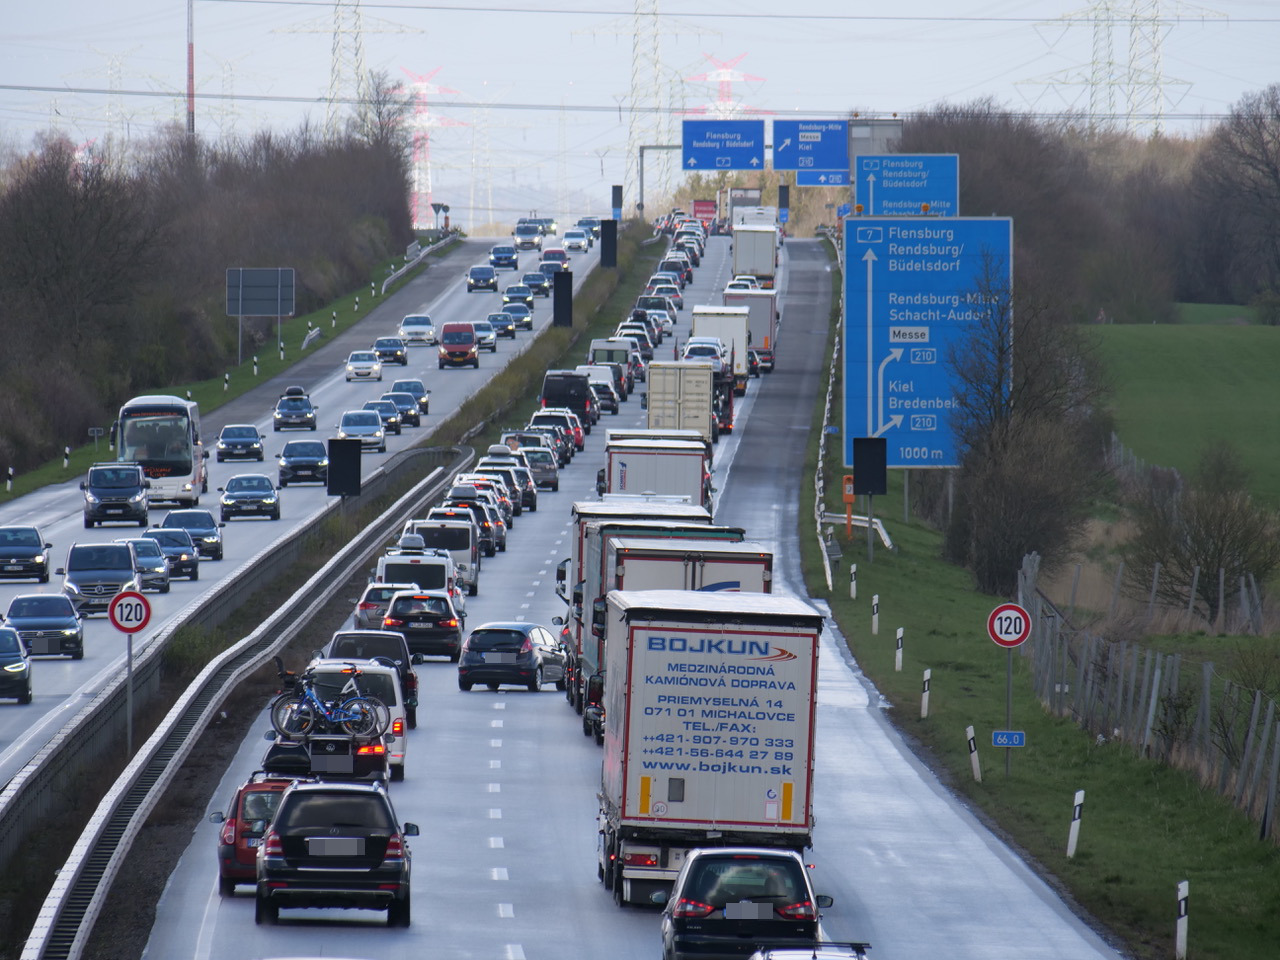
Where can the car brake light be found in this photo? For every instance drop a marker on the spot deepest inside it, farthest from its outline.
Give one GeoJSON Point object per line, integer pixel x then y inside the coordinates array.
{"type": "Point", "coordinates": [372, 750]}
{"type": "Point", "coordinates": [527, 646]}
{"type": "Point", "coordinates": [448, 623]}
{"type": "Point", "coordinates": [229, 832]}
{"type": "Point", "coordinates": [397, 727]}
{"type": "Point", "coordinates": [366, 605]}
{"type": "Point", "coordinates": [392, 622]}
{"type": "Point", "coordinates": [640, 860]}
{"type": "Point", "coordinates": [395, 848]}
{"type": "Point", "coordinates": [798, 911]}
{"type": "Point", "coordinates": [271, 845]}
{"type": "Point", "coordinates": [691, 908]}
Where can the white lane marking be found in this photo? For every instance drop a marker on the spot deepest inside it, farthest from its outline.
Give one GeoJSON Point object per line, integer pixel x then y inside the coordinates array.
{"type": "Point", "coordinates": [208, 921]}
{"type": "Point", "coordinates": [498, 873]}
{"type": "Point", "coordinates": [495, 788]}
{"type": "Point", "coordinates": [495, 723]}
{"type": "Point", "coordinates": [525, 606]}
{"type": "Point", "coordinates": [495, 743]}
{"type": "Point", "coordinates": [500, 705]}
{"type": "Point", "coordinates": [495, 764]}
{"type": "Point", "coordinates": [535, 583]}
{"type": "Point", "coordinates": [495, 813]}
{"type": "Point", "coordinates": [515, 952]}
{"type": "Point", "coordinates": [506, 911]}
{"type": "Point", "coordinates": [496, 843]}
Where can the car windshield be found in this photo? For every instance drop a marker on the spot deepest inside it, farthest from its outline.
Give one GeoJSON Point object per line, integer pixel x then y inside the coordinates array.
{"type": "Point", "coordinates": [528, 230]}
{"type": "Point", "coordinates": [534, 278]}
{"type": "Point", "coordinates": [240, 433]}
{"type": "Point", "coordinates": [419, 607]}
{"type": "Point", "coordinates": [146, 548]}
{"type": "Point", "coordinates": [518, 290]}
{"type": "Point", "coordinates": [361, 419]}
{"type": "Point", "coordinates": [20, 537]}
{"type": "Point", "coordinates": [315, 810]}
{"type": "Point", "coordinates": [113, 477]}
{"type": "Point", "coordinates": [413, 387]}
{"type": "Point", "coordinates": [482, 273]}
{"type": "Point", "coordinates": [416, 321]}
{"type": "Point", "coordinates": [9, 643]}
{"type": "Point", "coordinates": [516, 310]}
{"type": "Point", "coordinates": [717, 882]}
{"type": "Point", "coordinates": [388, 344]}
{"type": "Point", "coordinates": [169, 538]}
{"type": "Point", "coordinates": [384, 407]}
{"type": "Point", "coordinates": [458, 336]}
{"type": "Point", "coordinates": [538, 455]}
{"type": "Point", "coordinates": [483, 326]}
{"type": "Point", "coordinates": [99, 556]}
{"type": "Point", "coordinates": [331, 684]}
{"type": "Point", "coordinates": [259, 804]}
{"type": "Point", "coordinates": [502, 318]}
{"type": "Point", "coordinates": [366, 647]}
{"type": "Point", "coordinates": [199, 519]}
{"type": "Point", "coordinates": [401, 399]}
{"type": "Point", "coordinates": [504, 251]}
{"type": "Point", "coordinates": [304, 448]}
{"type": "Point", "coordinates": [362, 358]}
{"type": "Point", "coordinates": [292, 404]}
{"type": "Point", "coordinates": [255, 484]}
{"type": "Point", "coordinates": [45, 605]}
{"type": "Point", "coordinates": [701, 350]}
{"type": "Point", "coordinates": [499, 640]}
{"type": "Point", "coordinates": [446, 538]}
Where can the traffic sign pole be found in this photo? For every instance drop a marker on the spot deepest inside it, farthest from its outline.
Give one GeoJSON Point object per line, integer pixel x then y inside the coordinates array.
{"type": "Point", "coordinates": [129, 612]}
{"type": "Point", "coordinates": [1008, 626]}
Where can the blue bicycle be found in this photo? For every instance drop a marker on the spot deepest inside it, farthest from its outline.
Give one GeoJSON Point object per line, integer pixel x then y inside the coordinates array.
{"type": "Point", "coordinates": [299, 711]}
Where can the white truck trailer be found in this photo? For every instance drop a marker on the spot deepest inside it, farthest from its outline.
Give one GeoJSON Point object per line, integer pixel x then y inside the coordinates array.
{"type": "Point", "coordinates": [709, 701]}
{"type": "Point", "coordinates": [666, 467]}
{"type": "Point", "coordinates": [755, 252]}
{"type": "Point", "coordinates": [732, 325]}
{"type": "Point", "coordinates": [679, 397]}
{"type": "Point", "coordinates": [763, 324]}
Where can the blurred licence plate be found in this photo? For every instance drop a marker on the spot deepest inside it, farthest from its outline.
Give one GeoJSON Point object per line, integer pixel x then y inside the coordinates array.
{"type": "Point", "coordinates": [13, 566]}
{"type": "Point", "coordinates": [335, 846]}
{"type": "Point", "coordinates": [499, 658]}
{"type": "Point", "coordinates": [252, 841]}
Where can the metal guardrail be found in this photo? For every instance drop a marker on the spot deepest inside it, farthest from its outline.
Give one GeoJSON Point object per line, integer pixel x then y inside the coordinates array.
{"type": "Point", "coordinates": [67, 916]}
{"type": "Point", "coordinates": [422, 255]}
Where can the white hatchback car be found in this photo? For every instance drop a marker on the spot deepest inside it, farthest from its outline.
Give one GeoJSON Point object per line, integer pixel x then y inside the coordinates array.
{"type": "Point", "coordinates": [339, 680]}
{"type": "Point", "coordinates": [417, 328]}
{"type": "Point", "coordinates": [365, 426]}
{"type": "Point", "coordinates": [576, 240]}
{"type": "Point", "coordinates": [364, 365]}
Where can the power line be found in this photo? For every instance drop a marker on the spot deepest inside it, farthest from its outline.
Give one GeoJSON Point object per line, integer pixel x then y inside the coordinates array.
{"type": "Point", "coordinates": [613, 108]}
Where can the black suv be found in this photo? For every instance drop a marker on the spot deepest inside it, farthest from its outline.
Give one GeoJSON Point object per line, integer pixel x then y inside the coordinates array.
{"type": "Point", "coordinates": [24, 553]}
{"type": "Point", "coordinates": [391, 350]}
{"type": "Point", "coordinates": [115, 491]}
{"type": "Point", "coordinates": [571, 390]}
{"type": "Point", "coordinates": [335, 845]}
{"type": "Point", "coordinates": [96, 572]}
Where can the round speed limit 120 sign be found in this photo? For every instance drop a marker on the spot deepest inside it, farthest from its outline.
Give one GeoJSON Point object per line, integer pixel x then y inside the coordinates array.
{"type": "Point", "coordinates": [1009, 625]}
{"type": "Point", "coordinates": [129, 611]}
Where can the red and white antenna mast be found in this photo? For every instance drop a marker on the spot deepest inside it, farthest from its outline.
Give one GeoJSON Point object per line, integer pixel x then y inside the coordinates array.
{"type": "Point", "coordinates": [421, 123]}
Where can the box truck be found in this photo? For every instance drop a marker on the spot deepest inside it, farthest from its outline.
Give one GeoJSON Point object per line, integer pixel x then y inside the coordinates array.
{"type": "Point", "coordinates": [763, 325]}
{"type": "Point", "coordinates": [679, 468]}
{"type": "Point", "coordinates": [732, 325]}
{"type": "Point", "coordinates": [679, 397]}
{"type": "Point", "coordinates": [755, 252]}
{"type": "Point", "coordinates": [709, 723]}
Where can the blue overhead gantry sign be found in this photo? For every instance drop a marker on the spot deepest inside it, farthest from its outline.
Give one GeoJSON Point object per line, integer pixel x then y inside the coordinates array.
{"type": "Point", "coordinates": [900, 184]}
{"type": "Point", "coordinates": [723, 145]}
{"type": "Point", "coordinates": [913, 291]}
{"type": "Point", "coordinates": [811, 145]}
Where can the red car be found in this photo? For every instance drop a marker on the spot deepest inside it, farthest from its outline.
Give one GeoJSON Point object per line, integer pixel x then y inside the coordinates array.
{"type": "Point", "coordinates": [253, 805]}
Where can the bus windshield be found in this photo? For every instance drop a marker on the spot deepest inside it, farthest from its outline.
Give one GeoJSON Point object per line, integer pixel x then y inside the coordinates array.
{"type": "Point", "coordinates": [157, 439]}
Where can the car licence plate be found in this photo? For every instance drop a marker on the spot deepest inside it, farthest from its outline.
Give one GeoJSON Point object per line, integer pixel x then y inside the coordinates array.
{"type": "Point", "coordinates": [13, 566]}
{"type": "Point", "coordinates": [499, 658]}
{"type": "Point", "coordinates": [302, 472]}
{"type": "Point", "coordinates": [115, 510]}
{"type": "Point", "coordinates": [335, 846]}
{"type": "Point", "coordinates": [252, 841]}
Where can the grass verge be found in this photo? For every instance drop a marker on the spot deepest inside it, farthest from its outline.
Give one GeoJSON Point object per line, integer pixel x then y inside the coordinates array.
{"type": "Point", "coordinates": [1145, 826]}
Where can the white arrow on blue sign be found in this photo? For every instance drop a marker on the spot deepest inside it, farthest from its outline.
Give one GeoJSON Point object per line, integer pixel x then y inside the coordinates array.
{"type": "Point", "coordinates": [900, 184]}
{"type": "Point", "coordinates": [822, 178]}
{"type": "Point", "coordinates": [811, 145]}
{"type": "Point", "coordinates": [914, 289]}
{"type": "Point", "coordinates": [723, 144]}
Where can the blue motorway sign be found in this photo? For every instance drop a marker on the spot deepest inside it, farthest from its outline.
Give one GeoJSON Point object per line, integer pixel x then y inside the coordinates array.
{"type": "Point", "coordinates": [1008, 738]}
{"type": "Point", "coordinates": [784, 214]}
{"type": "Point", "coordinates": [723, 145]}
{"type": "Point", "coordinates": [900, 184]}
{"type": "Point", "coordinates": [844, 210]}
{"type": "Point", "coordinates": [822, 178]}
{"type": "Point", "coordinates": [914, 290]}
{"type": "Point", "coordinates": [811, 145]}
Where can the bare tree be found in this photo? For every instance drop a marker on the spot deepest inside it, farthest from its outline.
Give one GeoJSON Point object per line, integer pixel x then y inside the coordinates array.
{"type": "Point", "coordinates": [381, 116]}
{"type": "Point", "coordinates": [1211, 523]}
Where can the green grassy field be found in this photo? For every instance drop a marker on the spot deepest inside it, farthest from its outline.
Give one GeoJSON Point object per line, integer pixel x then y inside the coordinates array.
{"type": "Point", "coordinates": [1219, 313]}
{"type": "Point", "coordinates": [1178, 387]}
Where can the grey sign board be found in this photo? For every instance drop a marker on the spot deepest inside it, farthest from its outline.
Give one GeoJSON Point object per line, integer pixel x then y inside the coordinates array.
{"type": "Point", "coordinates": [260, 292]}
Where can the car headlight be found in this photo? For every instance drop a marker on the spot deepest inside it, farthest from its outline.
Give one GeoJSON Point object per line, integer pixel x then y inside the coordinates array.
{"type": "Point", "coordinates": [137, 497]}
{"type": "Point", "coordinates": [221, 445]}
{"type": "Point", "coordinates": [342, 434]}
{"type": "Point", "coordinates": [257, 445]}
{"type": "Point", "coordinates": [39, 558]}
{"type": "Point", "coordinates": [70, 632]}
{"type": "Point", "coordinates": [16, 667]}
{"type": "Point", "coordinates": [91, 498]}
{"type": "Point", "coordinates": [71, 588]}
{"type": "Point", "coordinates": [210, 538]}
{"type": "Point", "coordinates": [271, 499]}
{"type": "Point", "coordinates": [227, 501]}
{"type": "Point", "coordinates": [324, 462]}
{"type": "Point", "coordinates": [282, 462]}
{"type": "Point", "coordinates": [377, 433]}
{"type": "Point", "coordinates": [186, 487]}
{"type": "Point", "coordinates": [351, 368]}
{"type": "Point", "coordinates": [278, 414]}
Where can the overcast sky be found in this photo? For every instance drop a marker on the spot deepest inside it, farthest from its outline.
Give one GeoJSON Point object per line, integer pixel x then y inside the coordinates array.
{"type": "Point", "coordinates": [539, 86]}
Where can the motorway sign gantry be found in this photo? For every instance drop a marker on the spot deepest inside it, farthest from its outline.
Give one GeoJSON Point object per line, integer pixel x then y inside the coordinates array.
{"type": "Point", "coordinates": [811, 145]}
{"type": "Point", "coordinates": [901, 184]}
{"type": "Point", "coordinates": [822, 178]}
{"type": "Point", "coordinates": [914, 289]}
{"type": "Point", "coordinates": [723, 144]}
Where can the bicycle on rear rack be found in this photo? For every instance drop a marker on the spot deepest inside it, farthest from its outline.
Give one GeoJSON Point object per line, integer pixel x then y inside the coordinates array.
{"type": "Point", "coordinates": [300, 711]}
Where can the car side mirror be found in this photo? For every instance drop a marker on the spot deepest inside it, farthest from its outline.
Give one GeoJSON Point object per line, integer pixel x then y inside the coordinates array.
{"type": "Point", "coordinates": [222, 524]}
{"type": "Point", "coordinates": [417, 658]}
{"type": "Point", "coordinates": [659, 897]}
{"type": "Point", "coordinates": [60, 572]}
{"type": "Point", "coordinates": [410, 829]}
{"type": "Point", "coordinates": [83, 485]}
{"type": "Point", "coordinates": [204, 455]}
{"type": "Point", "coordinates": [146, 484]}
{"type": "Point", "coordinates": [216, 817]}
{"type": "Point", "coordinates": [221, 490]}
{"type": "Point", "coordinates": [269, 735]}
{"type": "Point", "coordinates": [825, 901]}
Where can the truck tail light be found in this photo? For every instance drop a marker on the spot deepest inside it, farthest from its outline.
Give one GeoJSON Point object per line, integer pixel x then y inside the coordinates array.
{"type": "Point", "coordinates": [691, 909]}
{"type": "Point", "coordinates": [640, 860]}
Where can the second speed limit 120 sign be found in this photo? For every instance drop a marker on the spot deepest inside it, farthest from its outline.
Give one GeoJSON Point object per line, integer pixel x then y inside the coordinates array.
{"type": "Point", "coordinates": [129, 611]}
{"type": "Point", "coordinates": [1009, 625]}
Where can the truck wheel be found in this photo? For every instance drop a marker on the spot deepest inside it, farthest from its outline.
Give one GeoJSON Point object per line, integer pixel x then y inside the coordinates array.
{"type": "Point", "coordinates": [587, 727]}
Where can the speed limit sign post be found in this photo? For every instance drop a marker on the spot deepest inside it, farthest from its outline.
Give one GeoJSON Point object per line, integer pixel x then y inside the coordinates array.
{"type": "Point", "coordinates": [1009, 626]}
{"type": "Point", "coordinates": [129, 612]}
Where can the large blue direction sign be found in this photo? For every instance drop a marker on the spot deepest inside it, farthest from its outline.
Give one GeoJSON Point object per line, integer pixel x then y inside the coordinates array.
{"type": "Point", "coordinates": [901, 184]}
{"type": "Point", "coordinates": [811, 145]}
{"type": "Point", "coordinates": [822, 178]}
{"type": "Point", "coordinates": [914, 289]}
{"type": "Point", "coordinates": [723, 144]}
